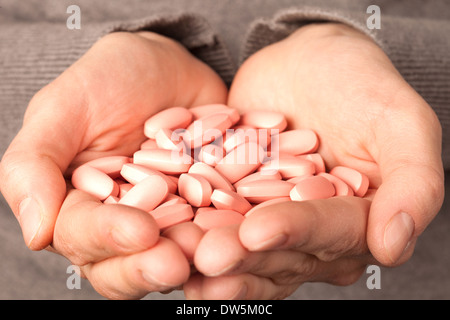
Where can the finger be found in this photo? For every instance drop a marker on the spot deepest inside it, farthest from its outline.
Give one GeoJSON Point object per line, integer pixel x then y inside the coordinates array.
{"type": "Point", "coordinates": [87, 230]}
{"type": "Point", "coordinates": [244, 286]}
{"type": "Point", "coordinates": [159, 268]}
{"type": "Point", "coordinates": [412, 188]}
{"type": "Point", "coordinates": [327, 229]}
{"type": "Point", "coordinates": [31, 176]}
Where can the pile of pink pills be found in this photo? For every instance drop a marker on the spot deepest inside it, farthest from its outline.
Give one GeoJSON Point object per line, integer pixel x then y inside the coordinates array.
{"type": "Point", "coordinates": [213, 166]}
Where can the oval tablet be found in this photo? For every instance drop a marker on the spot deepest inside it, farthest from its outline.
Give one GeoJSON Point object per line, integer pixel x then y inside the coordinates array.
{"type": "Point", "coordinates": [170, 140]}
{"type": "Point", "coordinates": [358, 181]}
{"type": "Point", "coordinates": [311, 188]}
{"type": "Point", "coordinates": [94, 182]}
{"type": "Point", "coordinates": [234, 138]}
{"type": "Point", "coordinates": [110, 165]}
{"type": "Point", "coordinates": [216, 179]}
{"type": "Point", "coordinates": [217, 218]}
{"type": "Point", "coordinates": [266, 204]}
{"type": "Point", "coordinates": [206, 129]}
{"type": "Point", "coordinates": [262, 190]}
{"type": "Point", "coordinates": [205, 110]}
{"type": "Point", "coordinates": [259, 175]}
{"type": "Point", "coordinates": [211, 154]}
{"type": "Point", "coordinates": [134, 173]}
{"type": "Point", "coordinates": [298, 141]}
{"type": "Point", "coordinates": [171, 118]}
{"type": "Point", "coordinates": [264, 119]}
{"type": "Point", "coordinates": [167, 216]}
{"type": "Point", "coordinates": [195, 189]}
{"type": "Point", "coordinates": [225, 199]}
{"type": "Point", "coordinates": [342, 189]}
{"type": "Point", "coordinates": [241, 161]}
{"type": "Point", "coordinates": [315, 158]}
{"type": "Point", "coordinates": [146, 194]}
{"type": "Point", "coordinates": [166, 161]}
{"type": "Point", "coordinates": [290, 167]}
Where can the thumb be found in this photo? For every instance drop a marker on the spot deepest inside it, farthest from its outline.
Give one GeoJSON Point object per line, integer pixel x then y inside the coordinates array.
{"type": "Point", "coordinates": [412, 188]}
{"type": "Point", "coordinates": [31, 174]}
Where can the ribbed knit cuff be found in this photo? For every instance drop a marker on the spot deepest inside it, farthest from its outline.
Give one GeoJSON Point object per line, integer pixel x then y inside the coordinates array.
{"type": "Point", "coordinates": [419, 49]}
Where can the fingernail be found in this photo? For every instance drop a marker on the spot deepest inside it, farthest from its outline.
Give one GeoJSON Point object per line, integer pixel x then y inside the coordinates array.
{"type": "Point", "coordinates": [30, 219]}
{"type": "Point", "coordinates": [397, 235]}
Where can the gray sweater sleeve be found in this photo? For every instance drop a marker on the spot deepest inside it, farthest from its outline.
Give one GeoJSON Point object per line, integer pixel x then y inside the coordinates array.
{"type": "Point", "coordinates": [418, 48]}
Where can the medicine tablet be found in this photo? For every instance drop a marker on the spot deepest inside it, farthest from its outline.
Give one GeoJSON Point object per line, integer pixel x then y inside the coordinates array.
{"type": "Point", "coordinates": [298, 141]}
{"type": "Point", "coordinates": [264, 120]}
{"type": "Point", "coordinates": [266, 204]}
{"type": "Point", "coordinates": [241, 161]}
{"type": "Point", "coordinates": [358, 181]}
{"type": "Point", "coordinates": [262, 190]}
{"type": "Point", "coordinates": [147, 194]}
{"type": "Point", "coordinates": [217, 218]}
{"type": "Point", "coordinates": [315, 158]}
{"type": "Point", "coordinates": [342, 189]}
{"type": "Point", "coordinates": [225, 199]}
{"type": "Point", "coordinates": [290, 167]}
{"type": "Point", "coordinates": [206, 129]}
{"type": "Point", "coordinates": [216, 179]}
{"type": "Point", "coordinates": [110, 165]}
{"type": "Point", "coordinates": [259, 175]}
{"type": "Point", "coordinates": [205, 110]}
{"type": "Point", "coordinates": [94, 182]}
{"type": "Point", "coordinates": [171, 118]}
{"type": "Point", "coordinates": [167, 216]}
{"type": "Point", "coordinates": [211, 154]}
{"type": "Point", "coordinates": [170, 140]}
{"type": "Point", "coordinates": [195, 189]}
{"type": "Point", "coordinates": [135, 173]}
{"type": "Point", "coordinates": [166, 161]}
{"type": "Point", "coordinates": [311, 188]}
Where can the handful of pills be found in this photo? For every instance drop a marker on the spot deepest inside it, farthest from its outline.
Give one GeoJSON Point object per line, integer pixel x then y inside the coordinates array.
{"type": "Point", "coordinates": [213, 166]}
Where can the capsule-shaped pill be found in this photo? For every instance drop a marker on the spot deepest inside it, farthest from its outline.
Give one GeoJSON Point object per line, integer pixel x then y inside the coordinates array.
{"type": "Point", "coordinates": [214, 177]}
{"type": "Point", "coordinates": [259, 175]}
{"type": "Point", "coordinates": [206, 129]}
{"type": "Point", "coordinates": [167, 216]}
{"type": "Point", "coordinates": [266, 204]}
{"type": "Point", "coordinates": [311, 188]}
{"type": "Point", "coordinates": [342, 189]}
{"type": "Point", "coordinates": [230, 200]}
{"type": "Point", "coordinates": [296, 142]}
{"type": "Point", "coordinates": [110, 165]}
{"type": "Point", "coordinates": [171, 118]}
{"type": "Point", "coordinates": [315, 158]}
{"type": "Point", "coordinates": [135, 173]}
{"type": "Point", "coordinates": [147, 194]}
{"type": "Point", "coordinates": [205, 110]}
{"type": "Point", "coordinates": [195, 189]}
{"type": "Point", "coordinates": [262, 190]}
{"type": "Point", "coordinates": [358, 181]}
{"type": "Point", "coordinates": [166, 161]}
{"type": "Point", "coordinates": [290, 167]}
{"type": "Point", "coordinates": [264, 119]}
{"type": "Point", "coordinates": [217, 218]}
{"type": "Point", "coordinates": [94, 182]}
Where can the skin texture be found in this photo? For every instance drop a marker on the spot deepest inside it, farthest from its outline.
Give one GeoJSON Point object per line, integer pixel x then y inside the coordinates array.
{"type": "Point", "coordinates": [337, 82]}
{"type": "Point", "coordinates": [96, 108]}
{"type": "Point", "coordinates": [327, 77]}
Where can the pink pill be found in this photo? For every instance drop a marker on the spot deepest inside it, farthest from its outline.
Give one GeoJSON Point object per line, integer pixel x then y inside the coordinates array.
{"type": "Point", "coordinates": [298, 141]}
{"type": "Point", "coordinates": [135, 173]}
{"type": "Point", "coordinates": [166, 161]}
{"type": "Point", "coordinates": [124, 188]}
{"type": "Point", "coordinates": [111, 200]}
{"type": "Point", "coordinates": [172, 199]}
{"type": "Point", "coordinates": [311, 188]}
{"type": "Point", "coordinates": [171, 118]}
{"type": "Point", "coordinates": [342, 189]}
{"type": "Point", "coordinates": [217, 218]}
{"type": "Point", "coordinates": [266, 204]}
{"type": "Point", "coordinates": [264, 119]}
{"type": "Point", "coordinates": [168, 216]}
{"type": "Point", "coordinates": [234, 138]}
{"type": "Point", "coordinates": [230, 200]}
{"type": "Point", "coordinates": [211, 154]}
{"type": "Point", "coordinates": [315, 158]}
{"type": "Point", "coordinates": [94, 182]}
{"type": "Point", "coordinates": [187, 235]}
{"type": "Point", "coordinates": [216, 179]}
{"type": "Point", "coordinates": [205, 110]}
{"type": "Point", "coordinates": [170, 140]}
{"type": "Point", "coordinates": [195, 189]}
{"type": "Point", "coordinates": [290, 167]}
{"type": "Point", "coordinates": [297, 179]}
{"type": "Point", "coordinates": [110, 165]}
{"type": "Point", "coordinates": [203, 209]}
{"type": "Point", "coordinates": [260, 175]}
{"type": "Point", "coordinates": [207, 129]}
{"type": "Point", "coordinates": [358, 181]}
{"type": "Point", "coordinates": [241, 161]}
{"type": "Point", "coordinates": [146, 194]}
{"type": "Point", "coordinates": [262, 190]}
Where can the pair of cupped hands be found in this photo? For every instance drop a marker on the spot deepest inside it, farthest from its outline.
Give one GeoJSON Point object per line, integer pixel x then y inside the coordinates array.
{"type": "Point", "coordinates": [326, 77]}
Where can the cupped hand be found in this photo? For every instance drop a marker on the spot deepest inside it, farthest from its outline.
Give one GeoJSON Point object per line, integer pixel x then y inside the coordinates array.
{"type": "Point", "coordinates": [336, 81]}
{"type": "Point", "coordinates": [96, 108]}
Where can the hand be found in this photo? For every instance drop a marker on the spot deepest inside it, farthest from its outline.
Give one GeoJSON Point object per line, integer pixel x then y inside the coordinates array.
{"type": "Point", "coordinates": [338, 82]}
{"type": "Point", "coordinates": [96, 108]}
